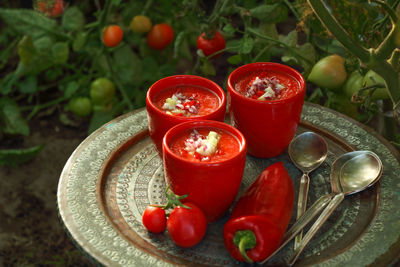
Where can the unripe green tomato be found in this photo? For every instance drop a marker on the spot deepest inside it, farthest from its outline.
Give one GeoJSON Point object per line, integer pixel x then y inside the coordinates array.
{"type": "Point", "coordinates": [140, 24]}
{"type": "Point", "coordinates": [102, 91]}
{"type": "Point", "coordinates": [371, 78]}
{"type": "Point", "coordinates": [353, 83]}
{"type": "Point", "coordinates": [329, 72]}
{"type": "Point", "coordinates": [80, 106]}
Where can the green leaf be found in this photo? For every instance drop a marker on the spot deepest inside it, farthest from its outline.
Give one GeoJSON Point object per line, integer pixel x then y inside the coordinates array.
{"type": "Point", "coordinates": [181, 46]}
{"type": "Point", "coordinates": [80, 41]}
{"type": "Point", "coordinates": [229, 29]}
{"type": "Point", "coordinates": [71, 88]}
{"type": "Point", "coordinates": [26, 50]}
{"type": "Point", "coordinates": [99, 118]}
{"type": "Point", "coordinates": [233, 45]}
{"type": "Point", "coordinates": [235, 59]}
{"type": "Point", "coordinates": [73, 19]}
{"type": "Point", "coordinates": [15, 157]}
{"type": "Point", "coordinates": [43, 44]}
{"type": "Point", "coordinates": [60, 52]}
{"type": "Point", "coordinates": [208, 68]}
{"type": "Point", "coordinates": [127, 65]}
{"type": "Point", "coordinates": [246, 45]}
{"type": "Point", "coordinates": [274, 13]}
{"type": "Point", "coordinates": [11, 119]}
{"type": "Point", "coordinates": [6, 85]}
{"type": "Point", "coordinates": [290, 39]}
{"type": "Point", "coordinates": [28, 86]}
{"type": "Point", "coordinates": [26, 21]}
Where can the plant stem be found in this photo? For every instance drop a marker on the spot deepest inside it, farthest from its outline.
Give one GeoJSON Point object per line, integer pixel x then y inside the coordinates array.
{"type": "Point", "coordinates": [37, 108]}
{"type": "Point", "coordinates": [322, 12]}
{"type": "Point", "coordinates": [149, 3]}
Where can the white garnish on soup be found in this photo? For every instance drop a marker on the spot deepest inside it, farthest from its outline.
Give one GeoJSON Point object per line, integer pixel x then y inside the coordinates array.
{"type": "Point", "coordinates": [180, 104]}
{"type": "Point", "coordinates": [269, 88]}
{"type": "Point", "coordinates": [203, 146]}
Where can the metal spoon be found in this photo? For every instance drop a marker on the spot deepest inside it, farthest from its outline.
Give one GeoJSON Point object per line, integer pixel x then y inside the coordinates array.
{"type": "Point", "coordinates": [352, 173]}
{"type": "Point", "coordinates": [353, 161]}
{"type": "Point", "coordinates": [307, 151]}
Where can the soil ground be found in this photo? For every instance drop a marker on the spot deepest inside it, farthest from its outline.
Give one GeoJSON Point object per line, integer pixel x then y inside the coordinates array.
{"type": "Point", "coordinates": [31, 233]}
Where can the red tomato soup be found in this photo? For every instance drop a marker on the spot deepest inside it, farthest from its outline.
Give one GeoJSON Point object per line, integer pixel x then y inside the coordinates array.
{"type": "Point", "coordinates": [267, 85]}
{"type": "Point", "coordinates": [205, 145]}
{"type": "Point", "coordinates": [187, 101]}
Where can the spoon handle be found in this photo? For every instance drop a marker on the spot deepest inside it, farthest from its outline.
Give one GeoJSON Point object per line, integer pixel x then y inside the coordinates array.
{"type": "Point", "coordinates": [302, 203]}
{"type": "Point", "coordinates": [302, 222]}
{"type": "Point", "coordinates": [317, 225]}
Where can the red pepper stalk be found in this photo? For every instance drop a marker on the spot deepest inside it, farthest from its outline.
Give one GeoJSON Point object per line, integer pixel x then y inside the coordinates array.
{"type": "Point", "coordinates": [261, 216]}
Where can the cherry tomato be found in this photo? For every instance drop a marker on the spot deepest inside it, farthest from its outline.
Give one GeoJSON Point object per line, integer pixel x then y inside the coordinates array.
{"type": "Point", "coordinates": [353, 83]}
{"type": "Point", "coordinates": [160, 36]}
{"type": "Point", "coordinates": [50, 8]}
{"type": "Point", "coordinates": [372, 78]}
{"type": "Point", "coordinates": [112, 35]}
{"type": "Point", "coordinates": [140, 24]}
{"type": "Point", "coordinates": [80, 106]}
{"type": "Point", "coordinates": [210, 46]}
{"type": "Point", "coordinates": [154, 219]}
{"type": "Point", "coordinates": [187, 227]}
{"type": "Point", "coordinates": [102, 91]}
{"type": "Point", "coordinates": [329, 72]}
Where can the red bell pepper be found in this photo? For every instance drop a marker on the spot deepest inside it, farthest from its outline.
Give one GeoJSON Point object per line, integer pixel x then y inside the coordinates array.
{"type": "Point", "coordinates": [261, 216]}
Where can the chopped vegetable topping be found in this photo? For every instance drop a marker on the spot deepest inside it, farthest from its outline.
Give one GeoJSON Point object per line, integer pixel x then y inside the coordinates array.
{"type": "Point", "coordinates": [181, 105]}
{"type": "Point", "coordinates": [264, 88]}
{"type": "Point", "coordinates": [202, 147]}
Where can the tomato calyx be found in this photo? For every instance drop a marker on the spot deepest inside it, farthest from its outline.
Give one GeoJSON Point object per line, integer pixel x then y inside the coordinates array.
{"type": "Point", "coordinates": [174, 200]}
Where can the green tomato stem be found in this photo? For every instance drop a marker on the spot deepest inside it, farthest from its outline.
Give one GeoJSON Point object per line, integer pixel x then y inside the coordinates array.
{"type": "Point", "coordinates": [245, 240]}
{"type": "Point", "coordinates": [322, 12]}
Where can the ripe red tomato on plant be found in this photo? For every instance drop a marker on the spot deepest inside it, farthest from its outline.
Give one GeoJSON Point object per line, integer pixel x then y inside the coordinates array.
{"type": "Point", "coordinates": [154, 219]}
{"type": "Point", "coordinates": [160, 36]}
{"type": "Point", "coordinates": [210, 45]}
{"type": "Point", "coordinates": [112, 35]}
{"type": "Point", "coordinates": [187, 227]}
{"type": "Point", "coordinates": [50, 8]}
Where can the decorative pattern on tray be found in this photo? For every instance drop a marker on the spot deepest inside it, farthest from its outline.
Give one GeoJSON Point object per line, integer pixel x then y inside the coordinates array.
{"type": "Point", "coordinates": [141, 181]}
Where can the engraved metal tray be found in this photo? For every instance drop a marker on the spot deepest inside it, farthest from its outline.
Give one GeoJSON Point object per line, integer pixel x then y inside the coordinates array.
{"type": "Point", "coordinates": [115, 173]}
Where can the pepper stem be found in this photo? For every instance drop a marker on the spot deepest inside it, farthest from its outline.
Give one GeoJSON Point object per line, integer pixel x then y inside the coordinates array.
{"type": "Point", "coordinates": [244, 240]}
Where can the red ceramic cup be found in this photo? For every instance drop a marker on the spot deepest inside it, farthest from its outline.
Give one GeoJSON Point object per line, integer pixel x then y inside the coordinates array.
{"type": "Point", "coordinates": [268, 125]}
{"type": "Point", "coordinates": [160, 122]}
{"type": "Point", "coordinates": [211, 185]}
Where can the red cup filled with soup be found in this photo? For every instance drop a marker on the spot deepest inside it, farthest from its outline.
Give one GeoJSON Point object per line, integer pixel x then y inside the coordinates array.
{"type": "Point", "coordinates": [180, 98]}
{"type": "Point", "coordinates": [205, 160]}
{"type": "Point", "coordinates": [265, 104]}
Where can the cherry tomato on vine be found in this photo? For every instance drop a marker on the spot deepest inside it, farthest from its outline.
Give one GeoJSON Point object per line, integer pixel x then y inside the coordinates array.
{"type": "Point", "coordinates": [353, 83]}
{"type": "Point", "coordinates": [154, 219]}
{"type": "Point", "coordinates": [140, 24]}
{"type": "Point", "coordinates": [210, 45]}
{"type": "Point", "coordinates": [187, 227]}
{"type": "Point", "coordinates": [81, 106]}
{"type": "Point", "coordinates": [50, 8]}
{"type": "Point", "coordinates": [160, 36]}
{"type": "Point", "coordinates": [112, 35]}
{"type": "Point", "coordinates": [329, 72]}
{"type": "Point", "coordinates": [102, 91]}
{"type": "Point", "coordinates": [372, 78]}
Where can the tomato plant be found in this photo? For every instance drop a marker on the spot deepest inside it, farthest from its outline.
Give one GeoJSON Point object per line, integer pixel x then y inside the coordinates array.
{"type": "Point", "coordinates": [187, 226]}
{"type": "Point", "coordinates": [160, 36]}
{"type": "Point", "coordinates": [140, 24]}
{"type": "Point", "coordinates": [112, 35]}
{"type": "Point", "coordinates": [102, 91]}
{"type": "Point", "coordinates": [329, 72]}
{"type": "Point", "coordinates": [210, 45]}
{"type": "Point", "coordinates": [154, 219]}
{"type": "Point", "coordinates": [50, 8]}
{"type": "Point", "coordinates": [81, 106]}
